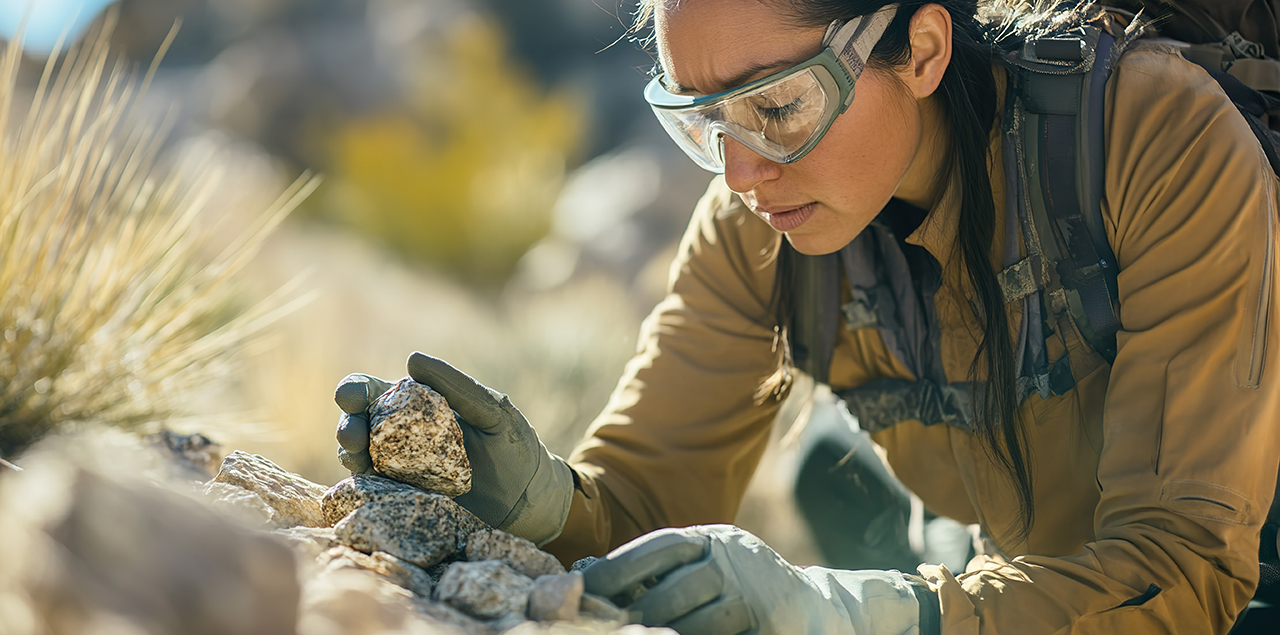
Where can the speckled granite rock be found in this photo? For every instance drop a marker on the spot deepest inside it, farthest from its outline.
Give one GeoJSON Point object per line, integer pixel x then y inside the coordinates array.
{"type": "Point", "coordinates": [295, 500]}
{"type": "Point", "coordinates": [487, 590]}
{"type": "Point", "coordinates": [413, 437]}
{"type": "Point", "coordinates": [400, 572]}
{"type": "Point", "coordinates": [420, 527]}
{"type": "Point", "coordinates": [518, 553]}
{"type": "Point", "coordinates": [556, 597]}
{"type": "Point", "coordinates": [350, 493]}
{"type": "Point", "coordinates": [583, 563]}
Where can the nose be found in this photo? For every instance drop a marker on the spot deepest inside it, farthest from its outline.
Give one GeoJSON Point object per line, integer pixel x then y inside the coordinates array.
{"type": "Point", "coordinates": [744, 169]}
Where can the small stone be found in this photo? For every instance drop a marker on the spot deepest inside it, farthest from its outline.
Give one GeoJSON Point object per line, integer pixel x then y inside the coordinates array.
{"type": "Point", "coordinates": [415, 438]}
{"type": "Point", "coordinates": [556, 597]}
{"type": "Point", "coordinates": [419, 527]}
{"type": "Point", "coordinates": [597, 608]}
{"type": "Point", "coordinates": [296, 500]}
{"type": "Point", "coordinates": [583, 563]}
{"type": "Point", "coordinates": [518, 553]}
{"type": "Point", "coordinates": [400, 572]}
{"type": "Point", "coordinates": [308, 542]}
{"type": "Point", "coordinates": [350, 493]}
{"type": "Point", "coordinates": [487, 590]}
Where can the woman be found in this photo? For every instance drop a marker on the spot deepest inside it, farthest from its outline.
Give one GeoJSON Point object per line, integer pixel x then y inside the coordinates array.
{"type": "Point", "coordinates": [1131, 503]}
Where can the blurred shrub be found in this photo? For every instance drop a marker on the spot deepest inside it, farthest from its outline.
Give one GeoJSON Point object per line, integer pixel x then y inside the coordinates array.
{"type": "Point", "coordinates": [466, 175]}
{"type": "Point", "coordinates": [109, 311]}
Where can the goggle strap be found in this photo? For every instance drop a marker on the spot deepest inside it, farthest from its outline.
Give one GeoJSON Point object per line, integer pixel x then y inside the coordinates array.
{"type": "Point", "coordinates": [854, 40]}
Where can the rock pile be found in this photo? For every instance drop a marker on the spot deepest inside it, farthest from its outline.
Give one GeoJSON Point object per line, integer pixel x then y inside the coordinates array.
{"type": "Point", "coordinates": [402, 544]}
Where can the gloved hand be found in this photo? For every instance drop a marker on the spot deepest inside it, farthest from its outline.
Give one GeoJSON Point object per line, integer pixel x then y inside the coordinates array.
{"type": "Point", "coordinates": [721, 580]}
{"type": "Point", "coordinates": [517, 485]}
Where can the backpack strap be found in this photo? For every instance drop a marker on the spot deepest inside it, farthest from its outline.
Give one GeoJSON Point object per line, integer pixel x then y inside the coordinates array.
{"type": "Point", "coordinates": [815, 312]}
{"type": "Point", "coordinates": [1056, 132]}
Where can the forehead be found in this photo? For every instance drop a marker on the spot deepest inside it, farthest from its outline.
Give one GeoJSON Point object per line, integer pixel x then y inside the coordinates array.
{"type": "Point", "coordinates": [706, 46]}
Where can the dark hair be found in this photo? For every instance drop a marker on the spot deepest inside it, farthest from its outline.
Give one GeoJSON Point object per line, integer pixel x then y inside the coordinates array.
{"type": "Point", "coordinates": [968, 96]}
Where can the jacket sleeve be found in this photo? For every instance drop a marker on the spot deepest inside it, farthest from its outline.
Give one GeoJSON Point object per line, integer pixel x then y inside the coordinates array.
{"type": "Point", "coordinates": [1191, 423]}
{"type": "Point", "coordinates": [683, 431]}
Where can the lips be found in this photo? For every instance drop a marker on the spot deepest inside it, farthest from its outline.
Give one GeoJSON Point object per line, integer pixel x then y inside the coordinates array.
{"type": "Point", "coordinates": [785, 219]}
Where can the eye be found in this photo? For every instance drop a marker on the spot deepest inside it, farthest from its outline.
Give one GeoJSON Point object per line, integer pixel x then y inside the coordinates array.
{"type": "Point", "coordinates": [779, 113]}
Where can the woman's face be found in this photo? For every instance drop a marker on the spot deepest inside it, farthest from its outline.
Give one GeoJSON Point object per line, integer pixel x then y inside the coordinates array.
{"type": "Point", "coordinates": [828, 197]}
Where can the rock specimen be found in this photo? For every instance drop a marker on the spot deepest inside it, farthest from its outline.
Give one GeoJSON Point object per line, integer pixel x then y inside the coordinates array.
{"type": "Point", "coordinates": [518, 553]}
{"type": "Point", "coordinates": [350, 493]}
{"type": "Point", "coordinates": [556, 597]}
{"type": "Point", "coordinates": [419, 527]}
{"type": "Point", "coordinates": [240, 503]}
{"type": "Point", "coordinates": [484, 589]}
{"type": "Point", "coordinates": [295, 500]}
{"type": "Point", "coordinates": [399, 572]}
{"type": "Point", "coordinates": [413, 437]}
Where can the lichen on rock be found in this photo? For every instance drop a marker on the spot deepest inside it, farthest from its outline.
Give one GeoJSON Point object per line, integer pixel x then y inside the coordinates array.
{"type": "Point", "coordinates": [414, 438]}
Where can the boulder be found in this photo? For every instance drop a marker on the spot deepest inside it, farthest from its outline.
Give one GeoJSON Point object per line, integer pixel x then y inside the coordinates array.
{"type": "Point", "coordinates": [295, 500]}
{"type": "Point", "coordinates": [488, 590]}
{"type": "Point", "coordinates": [413, 437]}
{"type": "Point", "coordinates": [419, 527]}
{"type": "Point", "coordinates": [352, 492]}
{"type": "Point", "coordinates": [556, 597]}
{"type": "Point", "coordinates": [518, 553]}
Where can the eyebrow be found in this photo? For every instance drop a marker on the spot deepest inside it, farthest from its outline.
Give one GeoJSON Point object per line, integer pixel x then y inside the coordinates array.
{"type": "Point", "coordinates": [737, 80]}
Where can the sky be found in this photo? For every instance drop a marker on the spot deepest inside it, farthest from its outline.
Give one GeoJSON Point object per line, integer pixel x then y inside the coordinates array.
{"type": "Point", "coordinates": [46, 20]}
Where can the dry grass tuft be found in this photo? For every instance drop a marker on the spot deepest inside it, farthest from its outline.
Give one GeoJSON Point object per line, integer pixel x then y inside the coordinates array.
{"type": "Point", "coordinates": [109, 309]}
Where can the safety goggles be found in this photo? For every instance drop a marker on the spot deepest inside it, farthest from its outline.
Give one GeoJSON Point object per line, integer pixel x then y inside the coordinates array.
{"type": "Point", "coordinates": [782, 116]}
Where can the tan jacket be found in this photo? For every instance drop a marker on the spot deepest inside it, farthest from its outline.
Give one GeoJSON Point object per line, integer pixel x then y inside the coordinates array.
{"type": "Point", "coordinates": [1157, 470]}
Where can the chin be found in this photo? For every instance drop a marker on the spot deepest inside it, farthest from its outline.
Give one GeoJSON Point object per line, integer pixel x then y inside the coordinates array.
{"type": "Point", "coordinates": [816, 244]}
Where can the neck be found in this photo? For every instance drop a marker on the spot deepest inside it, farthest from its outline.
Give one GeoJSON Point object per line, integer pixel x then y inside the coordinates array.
{"type": "Point", "coordinates": [922, 184]}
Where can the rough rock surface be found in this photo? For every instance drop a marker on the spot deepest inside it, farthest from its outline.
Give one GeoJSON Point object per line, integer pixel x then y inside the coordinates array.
{"type": "Point", "coordinates": [240, 503]}
{"type": "Point", "coordinates": [399, 572]}
{"type": "Point", "coordinates": [308, 542]}
{"type": "Point", "coordinates": [419, 527]}
{"type": "Point", "coordinates": [487, 589]}
{"type": "Point", "coordinates": [296, 500]}
{"type": "Point", "coordinates": [414, 438]}
{"type": "Point", "coordinates": [350, 493]}
{"type": "Point", "coordinates": [518, 553]}
{"type": "Point", "coordinates": [85, 554]}
{"type": "Point", "coordinates": [354, 601]}
{"type": "Point", "coordinates": [556, 597]}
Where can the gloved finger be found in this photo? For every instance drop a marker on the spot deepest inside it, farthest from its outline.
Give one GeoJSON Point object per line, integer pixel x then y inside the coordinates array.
{"type": "Point", "coordinates": [357, 391]}
{"type": "Point", "coordinates": [682, 591]}
{"type": "Point", "coordinates": [481, 406]}
{"type": "Point", "coordinates": [647, 556]}
{"type": "Point", "coordinates": [355, 462]}
{"type": "Point", "coordinates": [726, 616]}
{"type": "Point", "coordinates": [353, 432]}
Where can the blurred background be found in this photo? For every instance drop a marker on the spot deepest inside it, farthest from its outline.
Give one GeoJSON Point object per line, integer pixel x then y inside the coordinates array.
{"type": "Point", "coordinates": [495, 192]}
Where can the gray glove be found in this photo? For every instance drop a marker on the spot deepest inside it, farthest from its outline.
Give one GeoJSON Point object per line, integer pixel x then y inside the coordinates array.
{"type": "Point", "coordinates": [721, 580]}
{"type": "Point", "coordinates": [516, 484]}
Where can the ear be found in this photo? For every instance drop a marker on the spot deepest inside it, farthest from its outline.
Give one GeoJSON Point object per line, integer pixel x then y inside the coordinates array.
{"type": "Point", "coordinates": [930, 33]}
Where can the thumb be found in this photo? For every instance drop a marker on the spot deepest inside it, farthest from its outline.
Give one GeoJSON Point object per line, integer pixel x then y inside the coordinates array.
{"type": "Point", "coordinates": [357, 391]}
{"type": "Point", "coordinates": [479, 405]}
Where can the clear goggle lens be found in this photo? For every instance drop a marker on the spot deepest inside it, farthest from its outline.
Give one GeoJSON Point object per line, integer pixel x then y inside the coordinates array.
{"type": "Point", "coordinates": [780, 120]}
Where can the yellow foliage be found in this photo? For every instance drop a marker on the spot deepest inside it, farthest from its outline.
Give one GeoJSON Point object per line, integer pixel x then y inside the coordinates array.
{"type": "Point", "coordinates": [466, 174]}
